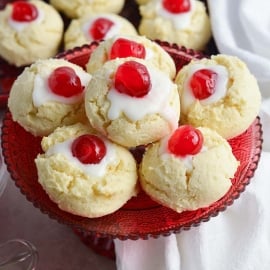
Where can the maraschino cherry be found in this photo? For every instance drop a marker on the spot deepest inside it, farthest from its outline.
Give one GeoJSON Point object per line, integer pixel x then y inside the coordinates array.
{"type": "Point", "coordinates": [186, 140]}
{"type": "Point", "coordinates": [100, 28]}
{"type": "Point", "coordinates": [132, 78]}
{"type": "Point", "coordinates": [63, 81]}
{"type": "Point", "coordinates": [127, 48]}
{"type": "Point", "coordinates": [203, 83]}
{"type": "Point", "coordinates": [176, 6]}
{"type": "Point", "coordinates": [23, 11]}
{"type": "Point", "coordinates": [89, 149]}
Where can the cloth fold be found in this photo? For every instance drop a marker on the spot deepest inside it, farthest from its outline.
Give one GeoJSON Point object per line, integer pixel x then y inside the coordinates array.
{"type": "Point", "coordinates": [242, 28]}
{"type": "Point", "coordinates": [238, 238]}
{"type": "Point", "coordinates": [152, 254]}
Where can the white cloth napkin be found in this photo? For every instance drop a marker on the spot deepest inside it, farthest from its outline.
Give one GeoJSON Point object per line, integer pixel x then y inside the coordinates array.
{"type": "Point", "coordinates": [242, 28]}
{"type": "Point", "coordinates": [239, 238]}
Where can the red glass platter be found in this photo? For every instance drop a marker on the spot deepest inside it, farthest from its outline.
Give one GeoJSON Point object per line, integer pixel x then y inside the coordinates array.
{"type": "Point", "coordinates": [140, 217]}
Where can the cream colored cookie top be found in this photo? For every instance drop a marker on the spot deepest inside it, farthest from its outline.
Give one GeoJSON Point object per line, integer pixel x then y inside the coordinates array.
{"type": "Point", "coordinates": [61, 134]}
{"type": "Point", "coordinates": [35, 107]}
{"type": "Point", "coordinates": [190, 182]}
{"type": "Point", "coordinates": [89, 190]}
{"type": "Point", "coordinates": [129, 120]}
{"type": "Point", "coordinates": [191, 29]}
{"type": "Point", "coordinates": [79, 8]}
{"type": "Point", "coordinates": [235, 104]}
{"type": "Point", "coordinates": [155, 54]}
{"type": "Point", "coordinates": [78, 31]}
{"type": "Point", "coordinates": [142, 2]}
{"type": "Point", "coordinates": [23, 43]}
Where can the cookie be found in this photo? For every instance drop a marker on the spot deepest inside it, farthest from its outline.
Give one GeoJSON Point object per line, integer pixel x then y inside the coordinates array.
{"type": "Point", "coordinates": [123, 46]}
{"type": "Point", "coordinates": [48, 94]}
{"type": "Point", "coordinates": [189, 169]}
{"type": "Point", "coordinates": [142, 2]}
{"type": "Point", "coordinates": [219, 93]}
{"type": "Point", "coordinates": [29, 31]}
{"type": "Point", "coordinates": [131, 102]}
{"type": "Point", "coordinates": [187, 25]}
{"type": "Point", "coordinates": [90, 183]}
{"type": "Point", "coordinates": [79, 8]}
{"type": "Point", "coordinates": [100, 26]}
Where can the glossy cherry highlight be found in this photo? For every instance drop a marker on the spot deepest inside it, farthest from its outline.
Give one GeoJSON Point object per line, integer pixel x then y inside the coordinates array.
{"type": "Point", "coordinates": [122, 48]}
{"type": "Point", "coordinates": [63, 81]}
{"type": "Point", "coordinates": [89, 149]}
{"type": "Point", "coordinates": [186, 140]}
{"type": "Point", "coordinates": [100, 28]}
{"type": "Point", "coordinates": [177, 6]}
{"type": "Point", "coordinates": [23, 11]}
{"type": "Point", "coordinates": [203, 83]}
{"type": "Point", "coordinates": [132, 78]}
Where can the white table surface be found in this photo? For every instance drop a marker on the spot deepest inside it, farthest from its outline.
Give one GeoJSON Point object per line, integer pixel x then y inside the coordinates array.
{"type": "Point", "coordinates": [57, 245]}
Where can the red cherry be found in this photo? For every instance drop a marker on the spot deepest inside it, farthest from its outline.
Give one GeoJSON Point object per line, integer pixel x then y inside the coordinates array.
{"type": "Point", "coordinates": [89, 149]}
{"type": "Point", "coordinates": [176, 6]}
{"type": "Point", "coordinates": [127, 48]}
{"type": "Point", "coordinates": [63, 81]}
{"type": "Point", "coordinates": [24, 12]}
{"type": "Point", "coordinates": [100, 28]}
{"type": "Point", "coordinates": [132, 78]}
{"type": "Point", "coordinates": [203, 83]}
{"type": "Point", "coordinates": [186, 140]}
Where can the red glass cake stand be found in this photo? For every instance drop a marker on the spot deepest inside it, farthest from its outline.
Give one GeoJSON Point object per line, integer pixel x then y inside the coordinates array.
{"type": "Point", "coordinates": [140, 217]}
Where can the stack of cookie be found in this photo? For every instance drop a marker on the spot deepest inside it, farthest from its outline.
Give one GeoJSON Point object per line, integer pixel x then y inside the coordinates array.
{"type": "Point", "coordinates": [129, 95]}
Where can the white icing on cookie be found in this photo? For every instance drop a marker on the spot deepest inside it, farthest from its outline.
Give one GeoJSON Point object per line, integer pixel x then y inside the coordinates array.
{"type": "Point", "coordinates": [155, 102]}
{"type": "Point", "coordinates": [180, 20]}
{"type": "Point", "coordinates": [113, 31]}
{"type": "Point", "coordinates": [95, 170]}
{"type": "Point", "coordinates": [187, 98]}
{"type": "Point", "coordinates": [19, 26]}
{"type": "Point", "coordinates": [42, 93]}
{"type": "Point", "coordinates": [165, 153]}
{"type": "Point", "coordinates": [148, 52]}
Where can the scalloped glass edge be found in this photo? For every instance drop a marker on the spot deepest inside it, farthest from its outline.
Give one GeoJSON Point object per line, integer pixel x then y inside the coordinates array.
{"type": "Point", "coordinates": [165, 231]}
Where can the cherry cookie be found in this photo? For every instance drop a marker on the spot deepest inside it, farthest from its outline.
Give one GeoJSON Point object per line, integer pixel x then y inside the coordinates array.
{"type": "Point", "coordinates": [131, 102]}
{"type": "Point", "coordinates": [93, 27]}
{"type": "Point", "coordinates": [48, 94]}
{"type": "Point", "coordinates": [85, 174]}
{"type": "Point", "coordinates": [219, 93]}
{"type": "Point", "coordinates": [122, 46]}
{"type": "Point", "coordinates": [189, 169]}
{"type": "Point", "coordinates": [184, 22]}
{"type": "Point", "coordinates": [79, 8]}
{"type": "Point", "coordinates": [30, 30]}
